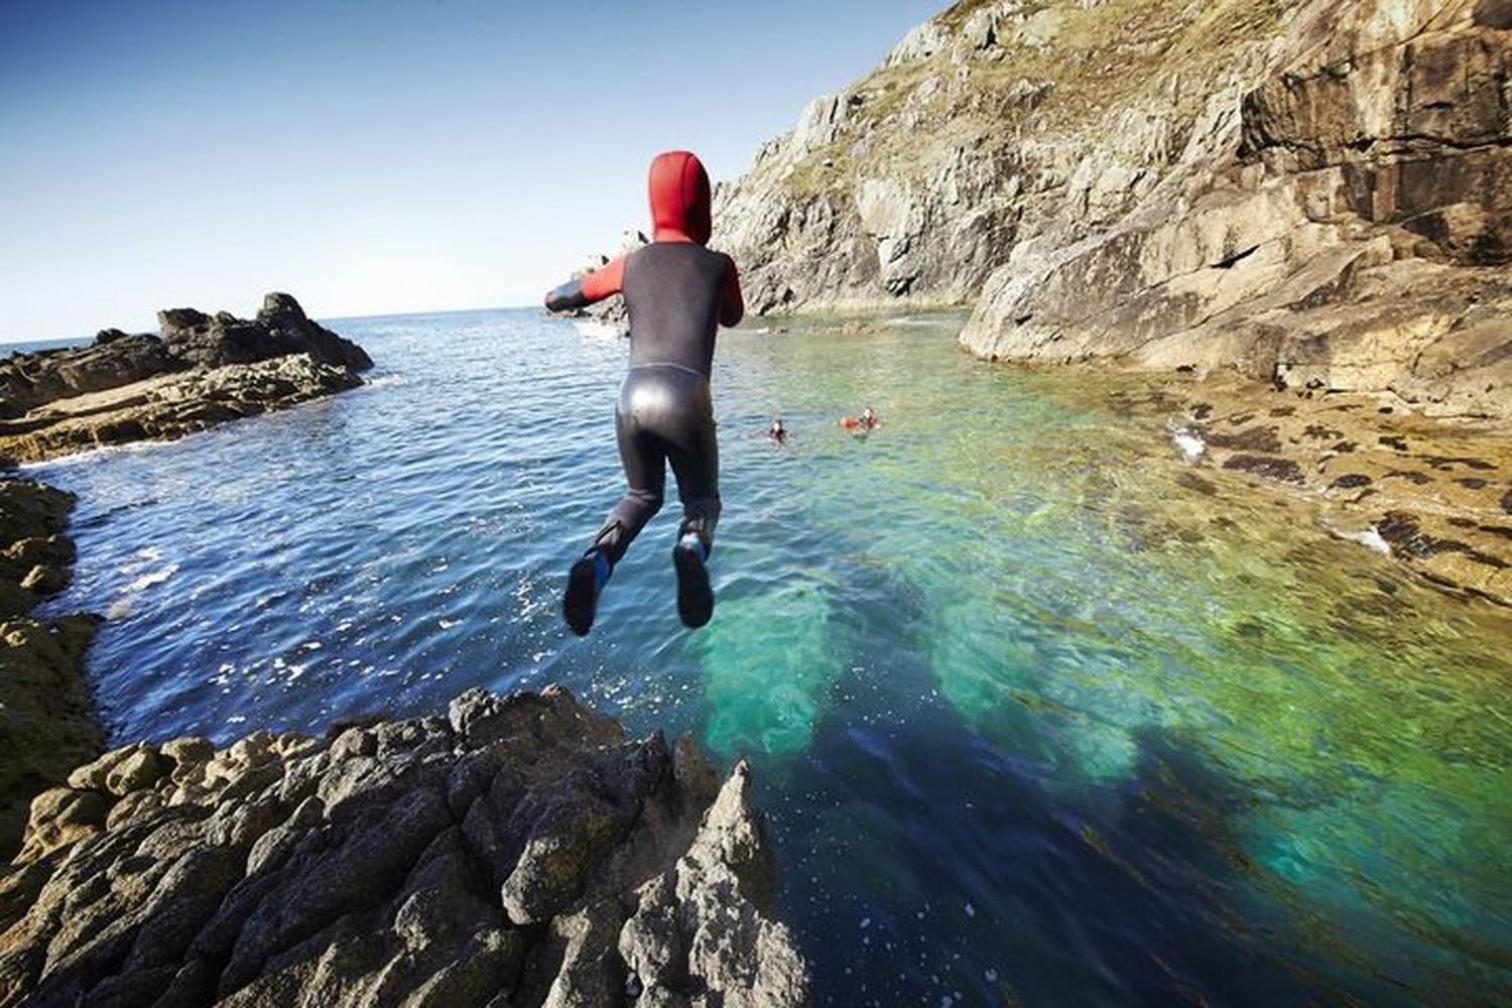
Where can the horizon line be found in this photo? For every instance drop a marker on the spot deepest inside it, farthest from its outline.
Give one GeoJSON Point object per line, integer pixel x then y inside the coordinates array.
{"type": "Point", "coordinates": [6, 342]}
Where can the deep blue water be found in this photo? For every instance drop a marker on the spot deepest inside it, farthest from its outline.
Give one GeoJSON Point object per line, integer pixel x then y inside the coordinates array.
{"type": "Point", "coordinates": [1036, 723]}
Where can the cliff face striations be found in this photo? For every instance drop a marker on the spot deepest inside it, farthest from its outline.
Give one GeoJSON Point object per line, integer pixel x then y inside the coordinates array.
{"type": "Point", "coordinates": [1315, 193]}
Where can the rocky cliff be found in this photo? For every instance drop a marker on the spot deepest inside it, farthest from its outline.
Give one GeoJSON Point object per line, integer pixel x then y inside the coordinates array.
{"type": "Point", "coordinates": [1315, 193]}
{"type": "Point", "coordinates": [202, 370]}
{"type": "Point", "coordinates": [519, 851]}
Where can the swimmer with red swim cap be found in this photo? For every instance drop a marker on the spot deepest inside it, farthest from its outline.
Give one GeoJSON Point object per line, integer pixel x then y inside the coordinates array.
{"type": "Point", "coordinates": [678, 294]}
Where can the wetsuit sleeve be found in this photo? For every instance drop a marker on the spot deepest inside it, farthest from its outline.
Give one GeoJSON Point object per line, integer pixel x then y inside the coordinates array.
{"type": "Point", "coordinates": [731, 303]}
{"type": "Point", "coordinates": [586, 290]}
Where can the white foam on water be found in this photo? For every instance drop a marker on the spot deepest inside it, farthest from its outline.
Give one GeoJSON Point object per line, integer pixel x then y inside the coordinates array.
{"type": "Point", "coordinates": [153, 578]}
{"type": "Point", "coordinates": [1369, 538]}
{"type": "Point", "coordinates": [89, 455]}
{"type": "Point", "coordinates": [597, 330]}
{"type": "Point", "coordinates": [1189, 444]}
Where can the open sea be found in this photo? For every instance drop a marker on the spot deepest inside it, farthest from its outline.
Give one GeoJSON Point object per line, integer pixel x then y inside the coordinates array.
{"type": "Point", "coordinates": [1036, 720]}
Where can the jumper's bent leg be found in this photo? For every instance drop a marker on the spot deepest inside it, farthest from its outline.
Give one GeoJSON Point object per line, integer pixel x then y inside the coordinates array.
{"type": "Point", "coordinates": [644, 457]}
{"type": "Point", "coordinates": [695, 461]}
{"type": "Point", "coordinates": [645, 461]}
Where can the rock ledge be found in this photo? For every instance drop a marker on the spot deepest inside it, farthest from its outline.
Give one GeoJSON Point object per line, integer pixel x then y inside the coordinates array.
{"type": "Point", "coordinates": [519, 851]}
{"type": "Point", "coordinates": [203, 370]}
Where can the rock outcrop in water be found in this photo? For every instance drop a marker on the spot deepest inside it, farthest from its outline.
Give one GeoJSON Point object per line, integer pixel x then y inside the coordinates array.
{"type": "Point", "coordinates": [519, 851]}
{"type": "Point", "coordinates": [1316, 193]}
{"type": "Point", "coordinates": [46, 718]}
{"type": "Point", "coordinates": [203, 370]}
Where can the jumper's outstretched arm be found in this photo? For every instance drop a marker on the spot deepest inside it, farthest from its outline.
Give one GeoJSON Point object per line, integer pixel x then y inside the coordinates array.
{"type": "Point", "coordinates": [586, 290]}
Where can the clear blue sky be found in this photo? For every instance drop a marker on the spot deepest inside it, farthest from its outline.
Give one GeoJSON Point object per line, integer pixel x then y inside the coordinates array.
{"type": "Point", "coordinates": [371, 156]}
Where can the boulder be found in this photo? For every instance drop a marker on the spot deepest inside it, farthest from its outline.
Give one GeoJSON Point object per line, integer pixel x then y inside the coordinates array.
{"type": "Point", "coordinates": [280, 329]}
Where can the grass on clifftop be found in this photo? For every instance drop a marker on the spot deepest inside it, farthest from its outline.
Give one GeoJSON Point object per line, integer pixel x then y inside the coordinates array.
{"type": "Point", "coordinates": [1101, 60]}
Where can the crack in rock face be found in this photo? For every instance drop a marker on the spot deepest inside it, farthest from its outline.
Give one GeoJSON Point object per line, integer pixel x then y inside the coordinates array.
{"type": "Point", "coordinates": [520, 851]}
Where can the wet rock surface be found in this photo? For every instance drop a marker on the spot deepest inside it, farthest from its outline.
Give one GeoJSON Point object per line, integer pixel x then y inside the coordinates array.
{"type": "Point", "coordinates": [518, 851]}
{"type": "Point", "coordinates": [1430, 493]}
{"type": "Point", "coordinates": [203, 370]}
{"type": "Point", "coordinates": [46, 717]}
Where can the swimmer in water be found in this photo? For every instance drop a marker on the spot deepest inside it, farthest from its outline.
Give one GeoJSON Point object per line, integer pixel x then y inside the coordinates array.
{"type": "Point", "coordinates": [678, 294]}
{"type": "Point", "coordinates": [866, 422]}
{"type": "Point", "coordinates": [777, 432]}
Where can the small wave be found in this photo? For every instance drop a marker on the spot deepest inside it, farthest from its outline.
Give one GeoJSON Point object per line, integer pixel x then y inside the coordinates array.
{"type": "Point", "coordinates": [385, 381]}
{"type": "Point", "coordinates": [91, 455]}
{"type": "Point", "coordinates": [153, 578]}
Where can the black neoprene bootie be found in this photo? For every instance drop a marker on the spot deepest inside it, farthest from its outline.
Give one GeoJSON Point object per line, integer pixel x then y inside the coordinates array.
{"type": "Point", "coordinates": [695, 599]}
{"type": "Point", "coordinates": [585, 581]}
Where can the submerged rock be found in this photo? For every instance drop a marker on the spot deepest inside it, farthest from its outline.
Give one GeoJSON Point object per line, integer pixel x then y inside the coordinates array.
{"type": "Point", "coordinates": [520, 850]}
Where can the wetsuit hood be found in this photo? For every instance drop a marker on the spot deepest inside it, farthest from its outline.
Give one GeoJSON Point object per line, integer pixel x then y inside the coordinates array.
{"type": "Point", "coordinates": [679, 189]}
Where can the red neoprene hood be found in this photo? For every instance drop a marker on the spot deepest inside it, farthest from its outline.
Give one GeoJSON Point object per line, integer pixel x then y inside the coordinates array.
{"type": "Point", "coordinates": [679, 198]}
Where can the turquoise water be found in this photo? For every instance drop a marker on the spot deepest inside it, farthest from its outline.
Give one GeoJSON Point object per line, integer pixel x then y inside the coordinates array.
{"type": "Point", "coordinates": [1038, 718]}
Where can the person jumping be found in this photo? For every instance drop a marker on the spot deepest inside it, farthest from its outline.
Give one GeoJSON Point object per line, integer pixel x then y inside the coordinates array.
{"type": "Point", "coordinates": [678, 293]}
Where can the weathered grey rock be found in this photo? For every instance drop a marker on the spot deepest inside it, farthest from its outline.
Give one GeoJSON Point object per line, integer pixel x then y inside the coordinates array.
{"type": "Point", "coordinates": [281, 328]}
{"type": "Point", "coordinates": [174, 406]}
{"type": "Point", "coordinates": [1317, 194]}
{"type": "Point", "coordinates": [29, 380]}
{"type": "Point", "coordinates": [114, 391]}
{"type": "Point", "coordinates": [1345, 231]}
{"type": "Point", "coordinates": [519, 851]}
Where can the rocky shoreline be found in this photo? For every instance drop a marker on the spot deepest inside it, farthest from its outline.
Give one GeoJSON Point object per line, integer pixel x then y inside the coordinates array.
{"type": "Point", "coordinates": [47, 722]}
{"type": "Point", "coordinates": [1307, 203]}
{"type": "Point", "coordinates": [201, 371]}
{"type": "Point", "coordinates": [519, 850]}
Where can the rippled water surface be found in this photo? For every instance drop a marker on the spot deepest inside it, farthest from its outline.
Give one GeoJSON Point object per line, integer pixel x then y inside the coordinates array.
{"type": "Point", "coordinates": [1039, 718]}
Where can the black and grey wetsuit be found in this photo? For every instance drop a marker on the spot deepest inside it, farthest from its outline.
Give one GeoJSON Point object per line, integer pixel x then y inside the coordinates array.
{"type": "Point", "coordinates": [673, 291]}
{"type": "Point", "coordinates": [678, 293]}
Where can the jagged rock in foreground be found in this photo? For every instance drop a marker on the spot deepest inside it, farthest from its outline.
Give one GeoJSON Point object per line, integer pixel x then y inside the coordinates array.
{"type": "Point", "coordinates": [46, 718]}
{"type": "Point", "coordinates": [520, 851]}
{"type": "Point", "coordinates": [203, 370]}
